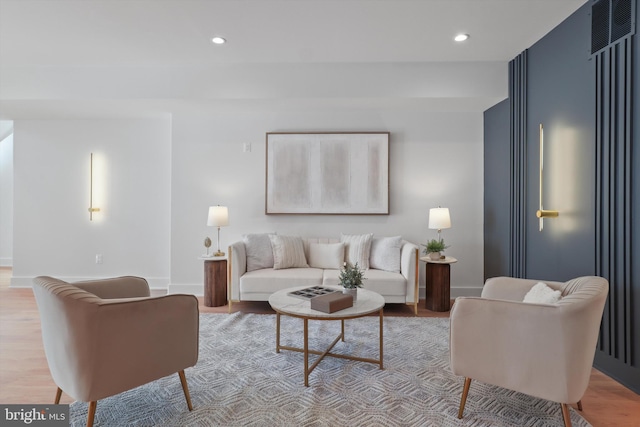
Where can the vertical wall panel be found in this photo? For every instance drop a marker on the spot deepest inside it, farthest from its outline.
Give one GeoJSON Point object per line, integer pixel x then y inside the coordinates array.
{"type": "Point", "coordinates": [497, 181]}
{"type": "Point", "coordinates": [518, 141]}
{"type": "Point", "coordinates": [588, 104]}
{"type": "Point", "coordinates": [614, 107]}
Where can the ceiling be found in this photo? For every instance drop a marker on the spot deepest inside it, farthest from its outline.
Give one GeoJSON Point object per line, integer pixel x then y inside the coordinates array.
{"type": "Point", "coordinates": [86, 35]}
{"type": "Point", "coordinates": [155, 32]}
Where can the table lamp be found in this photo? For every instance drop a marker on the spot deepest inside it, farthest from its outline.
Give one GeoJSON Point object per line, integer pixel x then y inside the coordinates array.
{"type": "Point", "coordinates": [438, 219]}
{"type": "Point", "coordinates": [218, 217]}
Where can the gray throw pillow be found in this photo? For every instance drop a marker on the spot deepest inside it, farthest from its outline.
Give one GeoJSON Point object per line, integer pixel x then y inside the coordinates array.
{"type": "Point", "coordinates": [385, 253]}
{"type": "Point", "coordinates": [259, 251]}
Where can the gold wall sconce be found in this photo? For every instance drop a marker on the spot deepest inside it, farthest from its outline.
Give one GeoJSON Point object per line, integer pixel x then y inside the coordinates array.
{"type": "Point", "coordinates": [543, 213]}
{"type": "Point", "coordinates": [92, 208]}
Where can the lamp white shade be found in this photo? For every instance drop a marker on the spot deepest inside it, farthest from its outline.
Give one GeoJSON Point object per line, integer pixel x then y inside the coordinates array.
{"type": "Point", "coordinates": [218, 216]}
{"type": "Point", "coordinates": [439, 218]}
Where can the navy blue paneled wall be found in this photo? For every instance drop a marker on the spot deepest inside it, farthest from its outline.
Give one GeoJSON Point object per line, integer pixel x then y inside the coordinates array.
{"type": "Point", "coordinates": [561, 96]}
{"type": "Point", "coordinates": [588, 106]}
{"type": "Point", "coordinates": [497, 178]}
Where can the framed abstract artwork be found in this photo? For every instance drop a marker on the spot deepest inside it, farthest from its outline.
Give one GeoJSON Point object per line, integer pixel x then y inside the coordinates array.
{"type": "Point", "coordinates": [327, 173]}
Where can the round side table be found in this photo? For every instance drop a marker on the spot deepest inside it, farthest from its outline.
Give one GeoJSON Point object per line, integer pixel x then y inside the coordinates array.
{"type": "Point", "coordinates": [438, 283]}
{"type": "Point", "coordinates": [215, 281]}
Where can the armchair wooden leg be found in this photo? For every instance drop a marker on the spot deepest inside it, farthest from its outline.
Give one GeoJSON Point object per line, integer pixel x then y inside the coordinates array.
{"type": "Point", "coordinates": [185, 388]}
{"type": "Point", "coordinates": [465, 391]}
{"type": "Point", "coordinates": [58, 395]}
{"type": "Point", "coordinates": [92, 413]}
{"type": "Point", "coordinates": [565, 415]}
{"type": "Point", "coordinates": [579, 405]}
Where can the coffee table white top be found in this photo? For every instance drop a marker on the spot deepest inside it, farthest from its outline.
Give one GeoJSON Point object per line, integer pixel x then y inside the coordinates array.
{"type": "Point", "coordinates": [366, 302]}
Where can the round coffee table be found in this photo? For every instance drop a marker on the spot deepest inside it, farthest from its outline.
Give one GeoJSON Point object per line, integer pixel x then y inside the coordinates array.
{"type": "Point", "coordinates": [366, 303]}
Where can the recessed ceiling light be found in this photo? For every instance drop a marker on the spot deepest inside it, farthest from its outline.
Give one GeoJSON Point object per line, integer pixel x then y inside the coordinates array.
{"type": "Point", "coordinates": [218, 40]}
{"type": "Point", "coordinates": [461, 37]}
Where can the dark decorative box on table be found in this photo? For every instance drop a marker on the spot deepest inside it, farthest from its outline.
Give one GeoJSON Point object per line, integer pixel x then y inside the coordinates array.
{"type": "Point", "coordinates": [332, 302]}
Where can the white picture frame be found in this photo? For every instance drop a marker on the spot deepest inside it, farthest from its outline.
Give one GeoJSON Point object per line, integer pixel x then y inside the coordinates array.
{"type": "Point", "coordinates": [327, 173]}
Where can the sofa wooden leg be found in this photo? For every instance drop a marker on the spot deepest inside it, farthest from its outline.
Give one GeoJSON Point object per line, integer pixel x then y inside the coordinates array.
{"type": "Point", "coordinates": [92, 413]}
{"type": "Point", "coordinates": [465, 391]}
{"type": "Point", "coordinates": [58, 395]}
{"type": "Point", "coordinates": [579, 405]}
{"type": "Point", "coordinates": [565, 415]}
{"type": "Point", "coordinates": [185, 388]}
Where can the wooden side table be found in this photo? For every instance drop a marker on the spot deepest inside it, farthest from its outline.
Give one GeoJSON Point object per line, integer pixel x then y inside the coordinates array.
{"type": "Point", "coordinates": [438, 283]}
{"type": "Point", "coordinates": [215, 281]}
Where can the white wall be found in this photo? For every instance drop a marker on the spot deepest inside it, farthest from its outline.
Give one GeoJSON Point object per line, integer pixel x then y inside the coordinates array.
{"type": "Point", "coordinates": [52, 232]}
{"type": "Point", "coordinates": [6, 200]}
{"type": "Point", "coordinates": [436, 159]}
{"type": "Point", "coordinates": [433, 111]}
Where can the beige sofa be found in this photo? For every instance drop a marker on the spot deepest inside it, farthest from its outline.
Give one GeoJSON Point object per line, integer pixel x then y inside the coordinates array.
{"type": "Point", "coordinates": [248, 283]}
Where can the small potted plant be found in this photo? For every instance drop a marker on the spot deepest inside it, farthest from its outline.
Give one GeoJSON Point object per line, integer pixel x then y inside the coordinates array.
{"type": "Point", "coordinates": [351, 277]}
{"type": "Point", "coordinates": [434, 247]}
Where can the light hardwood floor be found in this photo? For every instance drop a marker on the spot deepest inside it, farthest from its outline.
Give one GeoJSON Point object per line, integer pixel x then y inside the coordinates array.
{"type": "Point", "coordinates": [24, 374]}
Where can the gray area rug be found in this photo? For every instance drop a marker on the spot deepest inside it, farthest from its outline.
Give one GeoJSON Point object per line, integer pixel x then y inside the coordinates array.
{"type": "Point", "coordinates": [240, 380]}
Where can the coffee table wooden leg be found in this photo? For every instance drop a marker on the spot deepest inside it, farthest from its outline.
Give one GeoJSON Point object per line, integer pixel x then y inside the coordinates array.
{"type": "Point", "coordinates": [381, 340]}
{"type": "Point", "coordinates": [306, 352]}
{"type": "Point", "coordinates": [342, 321]}
{"type": "Point", "coordinates": [277, 332]}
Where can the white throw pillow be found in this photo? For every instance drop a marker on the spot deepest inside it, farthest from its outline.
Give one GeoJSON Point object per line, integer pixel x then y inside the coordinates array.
{"type": "Point", "coordinates": [385, 253]}
{"type": "Point", "coordinates": [357, 249]}
{"type": "Point", "coordinates": [259, 252]}
{"type": "Point", "coordinates": [288, 252]}
{"type": "Point", "coordinates": [326, 255]}
{"type": "Point", "coordinates": [542, 294]}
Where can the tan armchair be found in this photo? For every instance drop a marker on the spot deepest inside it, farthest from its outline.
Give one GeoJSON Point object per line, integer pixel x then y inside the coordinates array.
{"type": "Point", "coordinates": [104, 337]}
{"type": "Point", "coordinates": [543, 350]}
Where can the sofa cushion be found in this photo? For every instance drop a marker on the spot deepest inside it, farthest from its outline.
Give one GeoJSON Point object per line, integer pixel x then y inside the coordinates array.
{"type": "Point", "coordinates": [259, 251]}
{"type": "Point", "coordinates": [382, 282]}
{"type": "Point", "coordinates": [357, 249]}
{"type": "Point", "coordinates": [326, 255]}
{"type": "Point", "coordinates": [385, 253]}
{"type": "Point", "coordinates": [269, 280]}
{"type": "Point", "coordinates": [288, 252]}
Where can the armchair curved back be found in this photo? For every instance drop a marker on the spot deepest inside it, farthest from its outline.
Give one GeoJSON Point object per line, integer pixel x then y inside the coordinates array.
{"type": "Point", "coordinates": [115, 337]}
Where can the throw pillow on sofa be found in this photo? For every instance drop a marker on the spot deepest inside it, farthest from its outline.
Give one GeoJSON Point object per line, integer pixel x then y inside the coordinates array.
{"type": "Point", "coordinates": [326, 255]}
{"type": "Point", "coordinates": [540, 293]}
{"type": "Point", "coordinates": [259, 251]}
{"type": "Point", "coordinates": [385, 253]}
{"type": "Point", "coordinates": [357, 249]}
{"type": "Point", "coordinates": [288, 252]}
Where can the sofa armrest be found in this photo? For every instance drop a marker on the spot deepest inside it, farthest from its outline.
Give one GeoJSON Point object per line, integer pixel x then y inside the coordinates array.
{"type": "Point", "coordinates": [409, 269]}
{"type": "Point", "coordinates": [237, 267]}
{"type": "Point", "coordinates": [139, 340]}
{"type": "Point", "coordinates": [490, 340]}
{"type": "Point", "coordinates": [117, 287]}
{"type": "Point", "coordinates": [106, 346]}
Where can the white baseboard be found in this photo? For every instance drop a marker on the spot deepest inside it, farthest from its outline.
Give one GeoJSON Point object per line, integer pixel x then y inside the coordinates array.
{"type": "Point", "coordinates": [6, 262]}
{"type": "Point", "coordinates": [155, 283]}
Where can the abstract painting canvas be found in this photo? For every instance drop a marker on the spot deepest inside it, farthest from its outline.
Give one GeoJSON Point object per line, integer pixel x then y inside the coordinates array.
{"type": "Point", "coordinates": [328, 173]}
